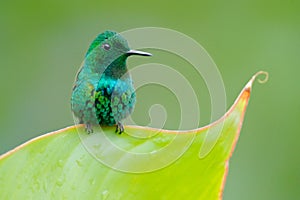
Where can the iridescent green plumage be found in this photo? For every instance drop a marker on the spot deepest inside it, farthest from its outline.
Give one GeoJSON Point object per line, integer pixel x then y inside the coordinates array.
{"type": "Point", "coordinates": [103, 92]}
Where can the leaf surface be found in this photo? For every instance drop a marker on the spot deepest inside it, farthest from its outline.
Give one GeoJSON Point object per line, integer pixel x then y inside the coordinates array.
{"type": "Point", "coordinates": [142, 163]}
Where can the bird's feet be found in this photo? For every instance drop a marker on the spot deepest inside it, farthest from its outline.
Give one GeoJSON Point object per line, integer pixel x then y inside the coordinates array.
{"type": "Point", "coordinates": [120, 128]}
{"type": "Point", "coordinates": [88, 128]}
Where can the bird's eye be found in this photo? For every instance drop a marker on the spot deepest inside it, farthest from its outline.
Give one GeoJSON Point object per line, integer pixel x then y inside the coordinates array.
{"type": "Point", "coordinates": [106, 46]}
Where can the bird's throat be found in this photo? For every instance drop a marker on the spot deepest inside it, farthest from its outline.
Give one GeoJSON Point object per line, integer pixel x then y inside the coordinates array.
{"type": "Point", "coordinates": [116, 69]}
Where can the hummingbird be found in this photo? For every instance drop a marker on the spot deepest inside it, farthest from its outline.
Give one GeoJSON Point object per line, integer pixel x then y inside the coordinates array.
{"type": "Point", "coordinates": [103, 92]}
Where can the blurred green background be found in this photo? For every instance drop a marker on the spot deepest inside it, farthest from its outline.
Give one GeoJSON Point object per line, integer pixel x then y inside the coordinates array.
{"type": "Point", "coordinates": [42, 44]}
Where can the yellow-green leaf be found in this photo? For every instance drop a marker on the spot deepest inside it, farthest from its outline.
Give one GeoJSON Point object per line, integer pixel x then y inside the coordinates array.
{"type": "Point", "coordinates": [142, 163]}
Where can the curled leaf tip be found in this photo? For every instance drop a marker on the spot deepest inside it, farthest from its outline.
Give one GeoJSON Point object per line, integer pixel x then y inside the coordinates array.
{"type": "Point", "coordinates": [265, 79]}
{"type": "Point", "coordinates": [254, 77]}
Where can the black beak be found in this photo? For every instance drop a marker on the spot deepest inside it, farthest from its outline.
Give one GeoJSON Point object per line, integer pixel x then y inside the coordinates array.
{"type": "Point", "coordinates": [139, 53]}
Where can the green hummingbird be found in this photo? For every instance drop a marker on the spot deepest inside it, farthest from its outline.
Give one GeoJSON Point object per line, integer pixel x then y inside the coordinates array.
{"type": "Point", "coordinates": [103, 93]}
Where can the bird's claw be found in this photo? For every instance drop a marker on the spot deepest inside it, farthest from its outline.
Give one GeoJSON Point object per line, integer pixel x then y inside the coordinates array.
{"type": "Point", "coordinates": [119, 128]}
{"type": "Point", "coordinates": [88, 128]}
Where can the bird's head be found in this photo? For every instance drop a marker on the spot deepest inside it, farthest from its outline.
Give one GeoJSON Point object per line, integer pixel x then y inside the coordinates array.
{"type": "Point", "coordinates": [110, 47]}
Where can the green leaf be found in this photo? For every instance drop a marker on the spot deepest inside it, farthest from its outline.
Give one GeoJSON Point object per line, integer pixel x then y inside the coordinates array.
{"type": "Point", "coordinates": [143, 163]}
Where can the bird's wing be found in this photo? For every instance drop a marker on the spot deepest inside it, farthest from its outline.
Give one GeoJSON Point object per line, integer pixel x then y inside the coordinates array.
{"type": "Point", "coordinates": [83, 100]}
